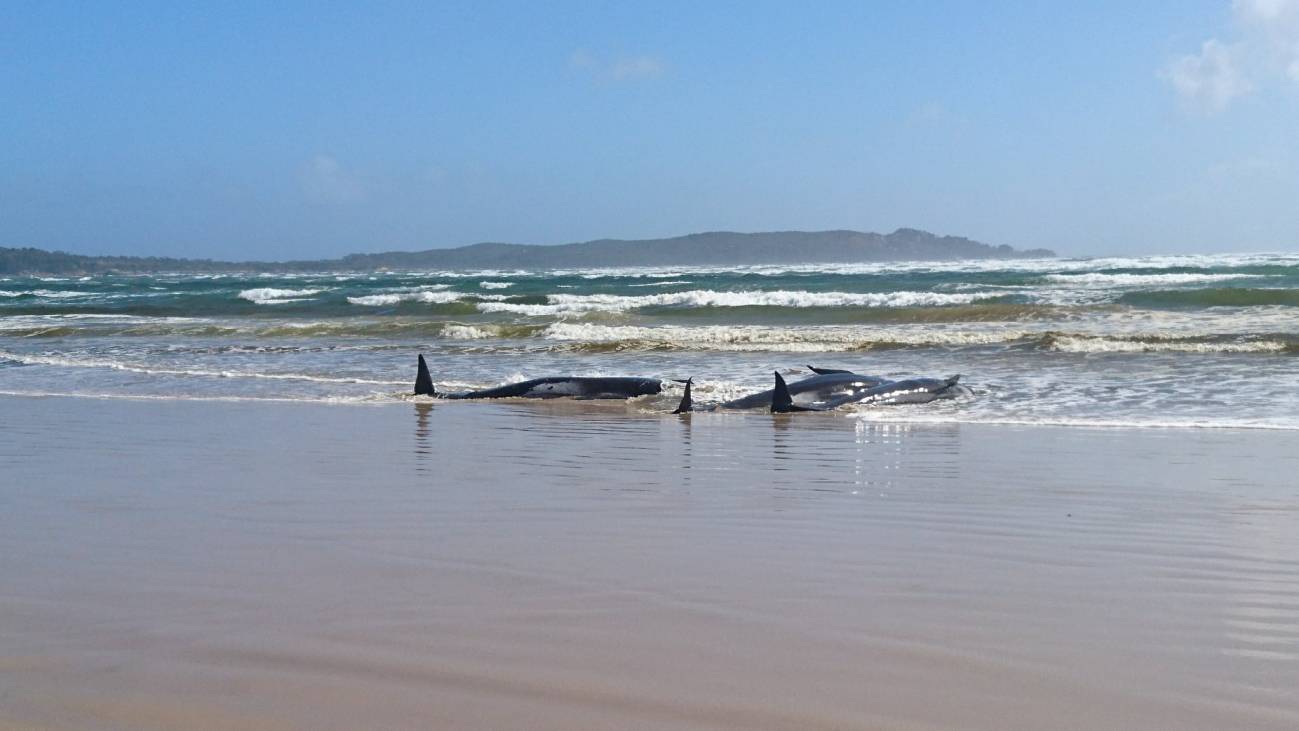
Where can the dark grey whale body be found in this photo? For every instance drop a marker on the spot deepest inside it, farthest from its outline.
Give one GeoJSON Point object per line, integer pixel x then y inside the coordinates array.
{"type": "Point", "coordinates": [545, 388]}
{"type": "Point", "coordinates": [567, 386]}
{"type": "Point", "coordinates": [825, 386]}
{"type": "Point", "coordinates": [908, 391]}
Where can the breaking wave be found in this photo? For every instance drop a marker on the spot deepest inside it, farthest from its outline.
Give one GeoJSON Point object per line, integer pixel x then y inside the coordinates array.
{"type": "Point", "coordinates": [467, 332]}
{"type": "Point", "coordinates": [272, 296]}
{"type": "Point", "coordinates": [558, 304]}
{"type": "Point", "coordinates": [774, 339]}
{"type": "Point", "coordinates": [595, 337]}
{"type": "Point", "coordinates": [387, 300]}
{"type": "Point", "coordinates": [1101, 279]}
{"type": "Point", "coordinates": [1095, 344]}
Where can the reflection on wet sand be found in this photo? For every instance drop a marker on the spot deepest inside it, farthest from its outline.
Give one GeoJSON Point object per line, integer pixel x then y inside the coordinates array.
{"type": "Point", "coordinates": [591, 565]}
{"type": "Point", "coordinates": [423, 442]}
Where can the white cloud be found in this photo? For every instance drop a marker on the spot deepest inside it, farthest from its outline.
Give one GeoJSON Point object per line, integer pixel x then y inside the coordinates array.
{"type": "Point", "coordinates": [325, 180]}
{"type": "Point", "coordinates": [1273, 26]}
{"type": "Point", "coordinates": [1265, 11]}
{"type": "Point", "coordinates": [1210, 79]}
{"type": "Point", "coordinates": [1264, 47]}
{"type": "Point", "coordinates": [622, 68]}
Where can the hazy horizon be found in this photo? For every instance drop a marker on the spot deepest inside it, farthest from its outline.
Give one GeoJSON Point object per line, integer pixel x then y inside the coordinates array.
{"type": "Point", "coordinates": [298, 132]}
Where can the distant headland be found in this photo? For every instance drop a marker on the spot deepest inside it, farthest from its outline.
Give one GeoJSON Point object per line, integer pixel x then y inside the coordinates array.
{"type": "Point", "coordinates": [716, 248]}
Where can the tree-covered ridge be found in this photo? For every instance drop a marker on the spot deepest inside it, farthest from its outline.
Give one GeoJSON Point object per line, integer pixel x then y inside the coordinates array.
{"type": "Point", "coordinates": [718, 248]}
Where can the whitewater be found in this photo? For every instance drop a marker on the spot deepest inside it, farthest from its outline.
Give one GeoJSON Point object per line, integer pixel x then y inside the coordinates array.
{"type": "Point", "coordinates": [1202, 341]}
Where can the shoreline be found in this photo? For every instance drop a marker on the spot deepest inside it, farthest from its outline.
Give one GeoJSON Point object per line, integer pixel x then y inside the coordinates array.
{"type": "Point", "coordinates": [617, 405]}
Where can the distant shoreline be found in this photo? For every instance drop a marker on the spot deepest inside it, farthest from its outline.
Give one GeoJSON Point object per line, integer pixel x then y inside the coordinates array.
{"type": "Point", "coordinates": [718, 248]}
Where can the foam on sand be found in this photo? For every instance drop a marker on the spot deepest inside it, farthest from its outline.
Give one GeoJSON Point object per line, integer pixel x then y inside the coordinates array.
{"type": "Point", "coordinates": [31, 359]}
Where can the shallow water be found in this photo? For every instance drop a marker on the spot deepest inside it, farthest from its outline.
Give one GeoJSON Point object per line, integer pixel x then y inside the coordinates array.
{"type": "Point", "coordinates": [178, 564]}
{"type": "Point", "coordinates": [1207, 341]}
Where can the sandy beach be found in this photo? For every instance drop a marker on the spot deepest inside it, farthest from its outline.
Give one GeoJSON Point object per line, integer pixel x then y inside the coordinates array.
{"type": "Point", "coordinates": [242, 565]}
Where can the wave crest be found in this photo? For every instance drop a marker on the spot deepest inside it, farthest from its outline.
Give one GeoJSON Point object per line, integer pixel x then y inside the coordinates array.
{"type": "Point", "coordinates": [387, 300]}
{"type": "Point", "coordinates": [273, 296]}
{"type": "Point", "coordinates": [560, 304]}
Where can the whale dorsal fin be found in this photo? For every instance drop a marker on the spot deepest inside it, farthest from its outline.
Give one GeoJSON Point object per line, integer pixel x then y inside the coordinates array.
{"type": "Point", "coordinates": [423, 381]}
{"type": "Point", "coordinates": [782, 402]}
{"type": "Point", "coordinates": [687, 404]}
{"type": "Point", "coordinates": [826, 371]}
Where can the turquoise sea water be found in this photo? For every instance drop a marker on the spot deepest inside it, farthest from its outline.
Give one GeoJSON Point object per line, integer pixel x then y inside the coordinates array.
{"type": "Point", "coordinates": [1206, 340]}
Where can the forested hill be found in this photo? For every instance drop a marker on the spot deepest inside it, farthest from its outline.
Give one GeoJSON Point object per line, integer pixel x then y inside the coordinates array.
{"type": "Point", "coordinates": [719, 248]}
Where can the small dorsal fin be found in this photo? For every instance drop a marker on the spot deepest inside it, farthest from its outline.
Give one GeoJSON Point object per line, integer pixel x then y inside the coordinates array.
{"type": "Point", "coordinates": [826, 371]}
{"type": "Point", "coordinates": [687, 404]}
{"type": "Point", "coordinates": [423, 381]}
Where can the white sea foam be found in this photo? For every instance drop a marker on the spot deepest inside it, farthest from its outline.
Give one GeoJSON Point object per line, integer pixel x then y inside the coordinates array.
{"type": "Point", "coordinates": [814, 339]}
{"type": "Point", "coordinates": [29, 359]}
{"type": "Point", "coordinates": [579, 303]}
{"type": "Point", "coordinates": [926, 415]}
{"type": "Point", "coordinates": [372, 399]}
{"type": "Point", "coordinates": [1043, 266]}
{"type": "Point", "coordinates": [272, 296]}
{"type": "Point", "coordinates": [466, 332]}
{"type": "Point", "coordinates": [55, 294]}
{"type": "Point", "coordinates": [1074, 344]}
{"type": "Point", "coordinates": [495, 285]}
{"type": "Point", "coordinates": [1097, 279]}
{"type": "Point", "coordinates": [827, 339]}
{"type": "Point", "coordinates": [387, 300]}
{"type": "Point", "coordinates": [668, 283]}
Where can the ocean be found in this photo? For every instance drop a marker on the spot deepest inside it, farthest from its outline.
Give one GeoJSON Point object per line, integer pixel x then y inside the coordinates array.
{"type": "Point", "coordinates": [1178, 341]}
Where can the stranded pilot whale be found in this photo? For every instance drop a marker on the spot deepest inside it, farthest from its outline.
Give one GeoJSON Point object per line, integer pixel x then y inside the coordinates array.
{"type": "Point", "coordinates": [908, 391]}
{"type": "Point", "coordinates": [553, 387]}
{"type": "Point", "coordinates": [827, 384]}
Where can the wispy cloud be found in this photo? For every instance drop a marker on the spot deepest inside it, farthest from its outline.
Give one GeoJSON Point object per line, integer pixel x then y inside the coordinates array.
{"type": "Point", "coordinates": [324, 180]}
{"type": "Point", "coordinates": [1210, 79]}
{"type": "Point", "coordinates": [1273, 26]}
{"type": "Point", "coordinates": [1264, 46]}
{"type": "Point", "coordinates": [616, 69]}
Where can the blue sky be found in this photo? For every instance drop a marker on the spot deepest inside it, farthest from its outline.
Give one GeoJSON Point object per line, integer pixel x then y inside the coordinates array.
{"type": "Point", "coordinates": [282, 130]}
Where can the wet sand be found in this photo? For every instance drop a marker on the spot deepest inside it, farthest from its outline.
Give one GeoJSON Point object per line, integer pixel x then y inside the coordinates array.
{"type": "Point", "coordinates": [190, 565]}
